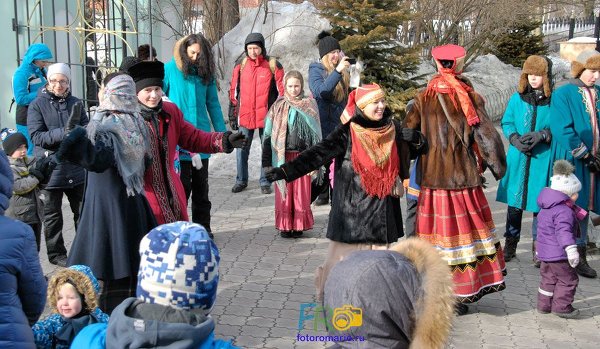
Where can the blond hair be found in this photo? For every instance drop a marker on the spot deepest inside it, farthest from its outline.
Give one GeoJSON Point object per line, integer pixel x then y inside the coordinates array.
{"type": "Point", "coordinates": [340, 93]}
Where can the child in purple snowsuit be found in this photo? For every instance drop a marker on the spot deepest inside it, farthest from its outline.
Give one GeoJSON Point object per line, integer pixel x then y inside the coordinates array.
{"type": "Point", "coordinates": [558, 228]}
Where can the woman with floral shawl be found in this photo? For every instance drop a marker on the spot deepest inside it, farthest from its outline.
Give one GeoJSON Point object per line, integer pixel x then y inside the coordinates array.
{"type": "Point", "coordinates": [115, 214]}
{"type": "Point", "coordinates": [292, 125]}
{"type": "Point", "coordinates": [371, 152]}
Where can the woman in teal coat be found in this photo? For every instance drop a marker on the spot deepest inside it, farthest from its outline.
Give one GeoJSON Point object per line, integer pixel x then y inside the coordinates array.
{"type": "Point", "coordinates": [575, 112]}
{"type": "Point", "coordinates": [526, 124]}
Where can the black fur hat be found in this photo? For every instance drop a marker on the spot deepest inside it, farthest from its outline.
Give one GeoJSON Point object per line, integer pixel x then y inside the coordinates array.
{"type": "Point", "coordinates": [147, 73]}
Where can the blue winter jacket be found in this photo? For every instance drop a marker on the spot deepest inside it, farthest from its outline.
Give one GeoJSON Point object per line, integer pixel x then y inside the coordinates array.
{"type": "Point", "coordinates": [28, 77]}
{"type": "Point", "coordinates": [199, 102]}
{"type": "Point", "coordinates": [22, 283]}
{"type": "Point", "coordinates": [322, 87]}
{"type": "Point", "coordinates": [126, 331]}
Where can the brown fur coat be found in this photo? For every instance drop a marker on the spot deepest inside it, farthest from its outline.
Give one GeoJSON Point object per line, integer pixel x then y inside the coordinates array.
{"type": "Point", "coordinates": [450, 162]}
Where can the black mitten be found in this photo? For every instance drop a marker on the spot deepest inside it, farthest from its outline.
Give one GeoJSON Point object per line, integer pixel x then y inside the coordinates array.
{"type": "Point", "coordinates": [45, 166]}
{"type": "Point", "coordinates": [274, 174]}
{"type": "Point", "coordinates": [233, 115]}
{"type": "Point", "coordinates": [37, 174]}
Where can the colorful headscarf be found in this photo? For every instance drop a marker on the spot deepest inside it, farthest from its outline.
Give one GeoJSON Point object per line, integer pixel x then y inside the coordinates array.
{"type": "Point", "coordinates": [446, 82]}
{"type": "Point", "coordinates": [374, 153]}
{"type": "Point", "coordinates": [299, 114]}
{"type": "Point", "coordinates": [118, 123]}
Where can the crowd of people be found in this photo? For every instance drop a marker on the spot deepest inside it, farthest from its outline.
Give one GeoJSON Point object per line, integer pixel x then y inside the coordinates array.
{"type": "Point", "coordinates": [129, 168]}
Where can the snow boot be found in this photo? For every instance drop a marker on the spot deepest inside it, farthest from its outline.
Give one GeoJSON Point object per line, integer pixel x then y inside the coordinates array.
{"type": "Point", "coordinates": [583, 268]}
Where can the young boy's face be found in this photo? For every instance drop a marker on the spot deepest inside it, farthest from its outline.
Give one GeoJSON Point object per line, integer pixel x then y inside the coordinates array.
{"type": "Point", "coordinates": [68, 302]}
{"type": "Point", "coordinates": [20, 152]}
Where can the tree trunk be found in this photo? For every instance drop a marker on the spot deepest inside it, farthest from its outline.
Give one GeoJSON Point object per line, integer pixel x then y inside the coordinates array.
{"type": "Point", "coordinates": [219, 18]}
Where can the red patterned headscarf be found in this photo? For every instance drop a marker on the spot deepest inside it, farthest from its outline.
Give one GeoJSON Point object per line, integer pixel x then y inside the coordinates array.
{"type": "Point", "coordinates": [374, 153]}
{"type": "Point", "coordinates": [447, 83]}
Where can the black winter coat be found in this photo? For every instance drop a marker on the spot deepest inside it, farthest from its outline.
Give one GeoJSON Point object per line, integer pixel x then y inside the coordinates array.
{"type": "Point", "coordinates": [355, 217]}
{"type": "Point", "coordinates": [111, 224]}
{"type": "Point", "coordinates": [47, 118]}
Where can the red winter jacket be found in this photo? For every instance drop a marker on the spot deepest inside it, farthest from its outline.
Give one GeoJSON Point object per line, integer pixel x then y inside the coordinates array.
{"type": "Point", "coordinates": [188, 137]}
{"type": "Point", "coordinates": [255, 94]}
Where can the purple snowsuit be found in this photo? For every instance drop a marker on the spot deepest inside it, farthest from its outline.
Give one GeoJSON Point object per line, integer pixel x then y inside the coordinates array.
{"type": "Point", "coordinates": [557, 229]}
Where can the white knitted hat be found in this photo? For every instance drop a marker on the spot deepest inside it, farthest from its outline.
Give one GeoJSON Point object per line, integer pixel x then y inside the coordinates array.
{"type": "Point", "coordinates": [563, 179]}
{"type": "Point", "coordinates": [59, 68]}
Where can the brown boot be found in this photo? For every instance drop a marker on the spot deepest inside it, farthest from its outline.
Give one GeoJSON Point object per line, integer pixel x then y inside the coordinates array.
{"type": "Point", "coordinates": [583, 268]}
{"type": "Point", "coordinates": [536, 261]}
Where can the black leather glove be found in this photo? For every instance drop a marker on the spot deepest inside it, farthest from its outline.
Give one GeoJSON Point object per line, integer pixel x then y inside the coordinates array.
{"type": "Point", "coordinates": [409, 135]}
{"type": "Point", "coordinates": [74, 117]}
{"type": "Point", "coordinates": [237, 140]}
{"type": "Point", "coordinates": [592, 162]}
{"type": "Point", "coordinates": [533, 138]}
{"type": "Point", "coordinates": [274, 174]}
{"type": "Point", "coordinates": [515, 140]}
{"type": "Point", "coordinates": [233, 115]}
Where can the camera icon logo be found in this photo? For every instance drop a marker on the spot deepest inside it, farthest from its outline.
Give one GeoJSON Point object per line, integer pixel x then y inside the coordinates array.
{"type": "Point", "coordinates": [345, 317]}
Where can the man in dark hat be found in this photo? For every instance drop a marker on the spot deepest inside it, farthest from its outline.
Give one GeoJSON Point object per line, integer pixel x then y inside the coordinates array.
{"type": "Point", "coordinates": [167, 129]}
{"type": "Point", "coordinates": [256, 83]}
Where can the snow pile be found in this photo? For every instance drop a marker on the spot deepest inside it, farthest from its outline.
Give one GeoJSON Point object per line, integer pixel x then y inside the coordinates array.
{"type": "Point", "coordinates": [290, 32]}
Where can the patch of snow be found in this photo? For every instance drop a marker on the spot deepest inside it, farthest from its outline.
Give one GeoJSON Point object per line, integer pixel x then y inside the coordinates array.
{"type": "Point", "coordinates": [583, 39]}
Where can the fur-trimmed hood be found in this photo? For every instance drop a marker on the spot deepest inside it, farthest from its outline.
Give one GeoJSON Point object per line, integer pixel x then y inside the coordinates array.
{"type": "Point", "coordinates": [410, 297]}
{"type": "Point", "coordinates": [176, 55]}
{"type": "Point", "coordinates": [82, 278]}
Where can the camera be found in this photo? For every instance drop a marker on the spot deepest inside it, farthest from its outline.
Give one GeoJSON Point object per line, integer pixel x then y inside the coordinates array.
{"type": "Point", "coordinates": [346, 317]}
{"type": "Point", "coordinates": [351, 60]}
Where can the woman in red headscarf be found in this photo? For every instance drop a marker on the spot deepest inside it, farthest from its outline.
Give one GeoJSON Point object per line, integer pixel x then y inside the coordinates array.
{"type": "Point", "coordinates": [372, 154]}
{"type": "Point", "coordinates": [453, 213]}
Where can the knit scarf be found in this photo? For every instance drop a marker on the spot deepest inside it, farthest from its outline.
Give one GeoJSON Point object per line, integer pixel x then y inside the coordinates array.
{"type": "Point", "coordinates": [118, 124]}
{"type": "Point", "coordinates": [375, 158]}
{"type": "Point", "coordinates": [162, 184]}
{"type": "Point", "coordinates": [299, 115]}
{"type": "Point", "coordinates": [446, 82]}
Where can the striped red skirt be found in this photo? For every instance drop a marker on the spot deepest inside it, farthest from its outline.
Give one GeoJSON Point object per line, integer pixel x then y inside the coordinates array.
{"type": "Point", "coordinates": [459, 224]}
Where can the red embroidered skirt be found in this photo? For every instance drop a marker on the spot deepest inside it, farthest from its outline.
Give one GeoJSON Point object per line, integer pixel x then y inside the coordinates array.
{"type": "Point", "coordinates": [459, 224]}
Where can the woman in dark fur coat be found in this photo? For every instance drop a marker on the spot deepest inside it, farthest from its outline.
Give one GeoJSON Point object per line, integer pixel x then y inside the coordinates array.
{"type": "Point", "coordinates": [453, 213]}
{"type": "Point", "coordinates": [115, 214]}
{"type": "Point", "coordinates": [372, 156]}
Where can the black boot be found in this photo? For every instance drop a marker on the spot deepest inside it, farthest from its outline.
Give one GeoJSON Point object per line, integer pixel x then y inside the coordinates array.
{"type": "Point", "coordinates": [536, 262]}
{"type": "Point", "coordinates": [583, 268]}
{"type": "Point", "coordinates": [510, 248]}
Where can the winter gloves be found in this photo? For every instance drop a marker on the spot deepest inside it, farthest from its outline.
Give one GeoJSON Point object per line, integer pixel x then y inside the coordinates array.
{"type": "Point", "coordinates": [274, 174]}
{"type": "Point", "coordinates": [572, 255]}
{"type": "Point", "coordinates": [233, 140]}
{"type": "Point", "coordinates": [592, 162]}
{"type": "Point", "coordinates": [197, 162]}
{"type": "Point", "coordinates": [409, 135]}
{"type": "Point", "coordinates": [233, 116]}
{"type": "Point", "coordinates": [529, 140]}
{"type": "Point", "coordinates": [43, 168]}
{"type": "Point", "coordinates": [74, 118]}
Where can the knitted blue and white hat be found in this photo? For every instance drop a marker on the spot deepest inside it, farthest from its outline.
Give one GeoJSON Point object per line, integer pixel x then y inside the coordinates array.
{"type": "Point", "coordinates": [179, 267]}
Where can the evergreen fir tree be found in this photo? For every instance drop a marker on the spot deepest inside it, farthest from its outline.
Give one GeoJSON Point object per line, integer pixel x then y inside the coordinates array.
{"type": "Point", "coordinates": [519, 42]}
{"type": "Point", "coordinates": [367, 29]}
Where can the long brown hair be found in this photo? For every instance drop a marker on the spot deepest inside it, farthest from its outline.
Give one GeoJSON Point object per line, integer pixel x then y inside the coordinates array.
{"type": "Point", "coordinates": [340, 93]}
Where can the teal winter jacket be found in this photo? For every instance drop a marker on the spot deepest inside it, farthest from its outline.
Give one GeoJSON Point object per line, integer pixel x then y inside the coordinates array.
{"type": "Point", "coordinates": [199, 102]}
{"type": "Point", "coordinates": [525, 175]}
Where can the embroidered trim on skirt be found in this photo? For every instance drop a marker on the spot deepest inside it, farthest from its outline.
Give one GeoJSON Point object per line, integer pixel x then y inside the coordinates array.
{"type": "Point", "coordinates": [459, 224]}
